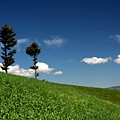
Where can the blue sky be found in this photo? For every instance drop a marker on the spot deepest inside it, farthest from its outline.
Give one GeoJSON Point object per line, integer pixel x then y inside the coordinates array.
{"type": "Point", "coordinates": [79, 39]}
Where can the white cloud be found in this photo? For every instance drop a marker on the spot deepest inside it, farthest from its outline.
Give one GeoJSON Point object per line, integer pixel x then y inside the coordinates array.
{"type": "Point", "coordinates": [55, 41]}
{"type": "Point", "coordinates": [58, 73]}
{"type": "Point", "coordinates": [117, 60]}
{"type": "Point", "coordinates": [20, 71]}
{"type": "Point", "coordinates": [95, 60]}
{"type": "Point", "coordinates": [42, 68]}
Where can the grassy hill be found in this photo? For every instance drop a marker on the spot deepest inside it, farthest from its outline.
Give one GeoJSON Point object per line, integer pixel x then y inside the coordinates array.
{"type": "Point", "coordinates": [23, 98]}
{"type": "Point", "coordinates": [109, 95]}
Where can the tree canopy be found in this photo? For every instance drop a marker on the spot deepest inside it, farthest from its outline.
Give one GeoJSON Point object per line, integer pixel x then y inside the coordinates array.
{"type": "Point", "coordinates": [34, 50]}
{"type": "Point", "coordinates": [8, 41]}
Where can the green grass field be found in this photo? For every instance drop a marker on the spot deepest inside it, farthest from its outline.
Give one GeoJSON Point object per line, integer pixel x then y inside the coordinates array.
{"type": "Point", "coordinates": [109, 95]}
{"type": "Point", "coordinates": [24, 98]}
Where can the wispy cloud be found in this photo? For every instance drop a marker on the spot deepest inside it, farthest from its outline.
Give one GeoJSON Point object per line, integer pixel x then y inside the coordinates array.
{"type": "Point", "coordinates": [42, 68]}
{"type": "Point", "coordinates": [70, 61]}
{"type": "Point", "coordinates": [117, 60]}
{"type": "Point", "coordinates": [58, 73]}
{"type": "Point", "coordinates": [20, 42]}
{"type": "Point", "coordinates": [95, 60]}
{"type": "Point", "coordinates": [116, 37]}
{"type": "Point", "coordinates": [55, 41]}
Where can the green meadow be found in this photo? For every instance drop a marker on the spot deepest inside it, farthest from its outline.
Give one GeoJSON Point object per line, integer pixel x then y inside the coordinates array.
{"type": "Point", "coordinates": [24, 98]}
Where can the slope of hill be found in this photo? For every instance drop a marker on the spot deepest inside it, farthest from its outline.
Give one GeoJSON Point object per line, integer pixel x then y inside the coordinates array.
{"type": "Point", "coordinates": [109, 95]}
{"type": "Point", "coordinates": [115, 87]}
{"type": "Point", "coordinates": [24, 98]}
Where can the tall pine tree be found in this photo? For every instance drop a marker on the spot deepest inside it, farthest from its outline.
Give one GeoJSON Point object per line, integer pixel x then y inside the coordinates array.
{"type": "Point", "coordinates": [8, 41]}
{"type": "Point", "coordinates": [34, 50]}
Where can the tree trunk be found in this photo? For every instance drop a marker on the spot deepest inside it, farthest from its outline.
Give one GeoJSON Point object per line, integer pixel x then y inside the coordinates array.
{"type": "Point", "coordinates": [35, 67]}
{"type": "Point", "coordinates": [6, 56]}
{"type": "Point", "coordinates": [6, 70]}
{"type": "Point", "coordinates": [35, 72]}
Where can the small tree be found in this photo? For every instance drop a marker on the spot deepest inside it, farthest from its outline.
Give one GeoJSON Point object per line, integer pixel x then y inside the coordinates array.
{"type": "Point", "coordinates": [34, 50]}
{"type": "Point", "coordinates": [8, 41]}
